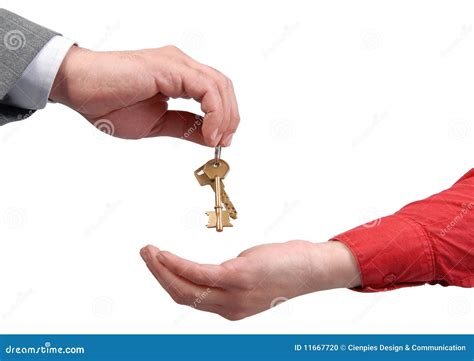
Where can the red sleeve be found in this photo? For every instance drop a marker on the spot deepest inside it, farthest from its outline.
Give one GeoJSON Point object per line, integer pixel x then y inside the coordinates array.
{"type": "Point", "coordinates": [428, 241]}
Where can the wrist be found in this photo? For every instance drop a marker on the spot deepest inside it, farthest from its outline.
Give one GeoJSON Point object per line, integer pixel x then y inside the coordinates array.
{"type": "Point", "coordinates": [70, 70]}
{"type": "Point", "coordinates": [332, 266]}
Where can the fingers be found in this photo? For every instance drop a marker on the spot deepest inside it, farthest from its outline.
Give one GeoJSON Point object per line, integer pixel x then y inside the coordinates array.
{"type": "Point", "coordinates": [205, 275]}
{"type": "Point", "coordinates": [231, 118]}
{"type": "Point", "coordinates": [179, 124]}
{"type": "Point", "coordinates": [181, 290]}
{"type": "Point", "coordinates": [184, 77]}
{"type": "Point", "coordinates": [234, 119]}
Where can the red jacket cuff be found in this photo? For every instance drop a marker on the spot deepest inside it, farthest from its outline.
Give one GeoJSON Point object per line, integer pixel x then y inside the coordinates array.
{"type": "Point", "coordinates": [392, 252]}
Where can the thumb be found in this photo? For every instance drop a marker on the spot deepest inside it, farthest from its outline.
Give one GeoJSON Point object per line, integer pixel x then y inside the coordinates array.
{"type": "Point", "coordinates": [180, 124]}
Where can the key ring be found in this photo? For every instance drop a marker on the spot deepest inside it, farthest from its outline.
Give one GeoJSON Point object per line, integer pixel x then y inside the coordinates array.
{"type": "Point", "coordinates": [217, 155]}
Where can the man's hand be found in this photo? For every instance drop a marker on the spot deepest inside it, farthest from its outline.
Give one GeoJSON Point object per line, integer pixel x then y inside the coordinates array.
{"type": "Point", "coordinates": [252, 282]}
{"type": "Point", "coordinates": [125, 94]}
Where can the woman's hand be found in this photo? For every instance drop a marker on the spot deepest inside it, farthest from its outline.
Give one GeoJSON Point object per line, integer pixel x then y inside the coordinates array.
{"type": "Point", "coordinates": [125, 94]}
{"type": "Point", "coordinates": [259, 276]}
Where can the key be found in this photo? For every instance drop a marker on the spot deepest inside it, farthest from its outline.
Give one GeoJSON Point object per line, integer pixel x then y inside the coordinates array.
{"type": "Point", "coordinates": [216, 170]}
{"type": "Point", "coordinates": [203, 180]}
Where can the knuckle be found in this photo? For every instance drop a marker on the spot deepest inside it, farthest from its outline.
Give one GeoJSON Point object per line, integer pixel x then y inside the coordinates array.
{"type": "Point", "coordinates": [172, 48]}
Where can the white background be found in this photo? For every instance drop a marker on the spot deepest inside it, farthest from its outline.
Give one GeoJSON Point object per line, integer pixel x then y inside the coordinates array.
{"type": "Point", "coordinates": [349, 111]}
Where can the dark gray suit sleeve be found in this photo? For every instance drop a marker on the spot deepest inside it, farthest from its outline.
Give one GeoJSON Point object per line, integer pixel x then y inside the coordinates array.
{"type": "Point", "coordinates": [20, 41]}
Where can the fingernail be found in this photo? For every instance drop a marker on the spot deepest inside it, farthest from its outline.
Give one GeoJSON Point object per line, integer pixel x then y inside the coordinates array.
{"type": "Point", "coordinates": [214, 137]}
{"type": "Point", "coordinates": [145, 255]}
{"type": "Point", "coordinates": [227, 140]}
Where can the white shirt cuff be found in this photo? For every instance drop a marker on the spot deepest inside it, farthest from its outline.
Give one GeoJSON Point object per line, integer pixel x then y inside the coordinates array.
{"type": "Point", "coordinates": [32, 90]}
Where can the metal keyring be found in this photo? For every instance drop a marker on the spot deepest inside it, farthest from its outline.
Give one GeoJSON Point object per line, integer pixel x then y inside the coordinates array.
{"type": "Point", "coordinates": [217, 155]}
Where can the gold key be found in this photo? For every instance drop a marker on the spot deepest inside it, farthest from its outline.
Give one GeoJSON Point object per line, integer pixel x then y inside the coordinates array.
{"type": "Point", "coordinates": [216, 170]}
{"type": "Point", "coordinates": [204, 180]}
{"type": "Point", "coordinates": [212, 173]}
